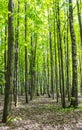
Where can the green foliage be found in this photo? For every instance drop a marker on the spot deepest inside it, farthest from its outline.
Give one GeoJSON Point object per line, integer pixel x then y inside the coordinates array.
{"type": "Point", "coordinates": [41, 18]}
{"type": "Point", "coordinates": [67, 110]}
{"type": "Point", "coordinates": [11, 119]}
{"type": "Point", "coordinates": [73, 98]}
{"type": "Point", "coordinates": [80, 108]}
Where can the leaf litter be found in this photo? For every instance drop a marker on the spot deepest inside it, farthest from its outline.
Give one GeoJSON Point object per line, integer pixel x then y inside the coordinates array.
{"type": "Point", "coordinates": [42, 114]}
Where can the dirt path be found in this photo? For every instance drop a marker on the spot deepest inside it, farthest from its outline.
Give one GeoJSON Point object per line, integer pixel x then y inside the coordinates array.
{"type": "Point", "coordinates": [42, 114]}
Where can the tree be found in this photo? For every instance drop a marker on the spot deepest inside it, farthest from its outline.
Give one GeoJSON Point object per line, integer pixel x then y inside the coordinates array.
{"type": "Point", "coordinates": [16, 59]}
{"type": "Point", "coordinates": [80, 27]}
{"type": "Point", "coordinates": [74, 93]}
{"type": "Point", "coordinates": [26, 57]}
{"type": "Point", "coordinates": [45, 59]}
{"type": "Point", "coordinates": [67, 65]}
{"type": "Point", "coordinates": [60, 57]}
{"type": "Point", "coordinates": [10, 63]}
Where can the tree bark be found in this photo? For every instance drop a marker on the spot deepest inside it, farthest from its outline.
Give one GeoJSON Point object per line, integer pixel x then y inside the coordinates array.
{"type": "Point", "coordinates": [26, 57]}
{"type": "Point", "coordinates": [16, 60]}
{"type": "Point", "coordinates": [74, 93]}
{"type": "Point", "coordinates": [80, 26]}
{"type": "Point", "coordinates": [61, 58]}
{"type": "Point", "coordinates": [10, 63]}
{"type": "Point", "coordinates": [67, 65]}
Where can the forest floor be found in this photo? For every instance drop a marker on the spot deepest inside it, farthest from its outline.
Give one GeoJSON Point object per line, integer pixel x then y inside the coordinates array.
{"type": "Point", "coordinates": [42, 114]}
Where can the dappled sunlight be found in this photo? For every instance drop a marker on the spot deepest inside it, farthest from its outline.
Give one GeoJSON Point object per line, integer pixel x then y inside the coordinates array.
{"type": "Point", "coordinates": [40, 64]}
{"type": "Point", "coordinates": [43, 114]}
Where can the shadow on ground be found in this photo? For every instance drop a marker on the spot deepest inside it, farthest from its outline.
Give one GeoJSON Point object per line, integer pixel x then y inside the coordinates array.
{"type": "Point", "coordinates": [42, 114]}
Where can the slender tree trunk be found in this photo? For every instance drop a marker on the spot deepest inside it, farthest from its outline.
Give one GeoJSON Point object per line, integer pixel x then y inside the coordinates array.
{"type": "Point", "coordinates": [34, 60]}
{"type": "Point", "coordinates": [68, 85]}
{"type": "Point", "coordinates": [56, 72]}
{"type": "Point", "coordinates": [16, 60]}
{"type": "Point", "coordinates": [51, 64]}
{"type": "Point", "coordinates": [48, 77]}
{"type": "Point", "coordinates": [56, 59]}
{"type": "Point", "coordinates": [80, 26]}
{"type": "Point", "coordinates": [31, 70]}
{"type": "Point", "coordinates": [44, 75]}
{"type": "Point", "coordinates": [26, 76]}
{"type": "Point", "coordinates": [74, 98]}
{"type": "Point", "coordinates": [51, 55]}
{"type": "Point", "coordinates": [59, 65]}
{"type": "Point", "coordinates": [37, 80]}
{"type": "Point", "coordinates": [26, 57]}
{"type": "Point", "coordinates": [61, 58]}
{"type": "Point", "coordinates": [10, 63]}
{"type": "Point", "coordinates": [80, 20]}
{"type": "Point", "coordinates": [32, 64]}
{"type": "Point", "coordinates": [41, 88]}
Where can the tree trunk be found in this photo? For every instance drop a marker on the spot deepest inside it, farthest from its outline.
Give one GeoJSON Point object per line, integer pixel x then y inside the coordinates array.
{"type": "Point", "coordinates": [48, 77]}
{"type": "Point", "coordinates": [80, 26]}
{"type": "Point", "coordinates": [31, 70]}
{"type": "Point", "coordinates": [51, 64]}
{"type": "Point", "coordinates": [26, 75]}
{"type": "Point", "coordinates": [56, 56]}
{"type": "Point", "coordinates": [10, 63]}
{"type": "Point", "coordinates": [67, 65]}
{"type": "Point", "coordinates": [61, 59]}
{"type": "Point", "coordinates": [51, 54]}
{"type": "Point", "coordinates": [26, 57]}
{"type": "Point", "coordinates": [37, 80]}
{"type": "Point", "coordinates": [74, 98]}
{"type": "Point", "coordinates": [16, 60]}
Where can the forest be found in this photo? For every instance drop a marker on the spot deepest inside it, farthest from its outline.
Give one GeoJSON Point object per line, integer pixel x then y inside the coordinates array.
{"type": "Point", "coordinates": [40, 64]}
